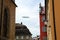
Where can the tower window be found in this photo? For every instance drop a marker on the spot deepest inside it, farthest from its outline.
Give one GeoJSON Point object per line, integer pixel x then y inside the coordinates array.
{"type": "Point", "coordinates": [44, 29]}
{"type": "Point", "coordinates": [5, 23]}
{"type": "Point", "coordinates": [43, 18]}
{"type": "Point", "coordinates": [45, 38]}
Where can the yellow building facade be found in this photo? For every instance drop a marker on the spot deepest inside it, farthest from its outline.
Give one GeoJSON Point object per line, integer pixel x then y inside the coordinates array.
{"type": "Point", "coordinates": [53, 17]}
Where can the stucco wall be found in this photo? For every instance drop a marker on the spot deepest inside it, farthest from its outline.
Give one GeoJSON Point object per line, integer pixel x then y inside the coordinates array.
{"type": "Point", "coordinates": [57, 17]}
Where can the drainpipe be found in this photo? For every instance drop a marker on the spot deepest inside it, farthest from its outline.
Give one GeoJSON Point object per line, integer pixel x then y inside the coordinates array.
{"type": "Point", "coordinates": [54, 19]}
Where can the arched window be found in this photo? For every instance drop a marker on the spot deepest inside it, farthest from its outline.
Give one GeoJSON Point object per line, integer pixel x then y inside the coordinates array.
{"type": "Point", "coordinates": [5, 23]}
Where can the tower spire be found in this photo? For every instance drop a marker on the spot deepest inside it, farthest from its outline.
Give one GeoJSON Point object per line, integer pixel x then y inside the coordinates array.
{"type": "Point", "coordinates": [40, 6]}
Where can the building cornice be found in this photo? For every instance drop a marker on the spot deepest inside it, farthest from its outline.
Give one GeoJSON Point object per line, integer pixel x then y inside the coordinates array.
{"type": "Point", "coordinates": [14, 3]}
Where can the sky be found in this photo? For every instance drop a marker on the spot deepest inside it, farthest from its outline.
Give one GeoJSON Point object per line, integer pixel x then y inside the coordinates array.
{"type": "Point", "coordinates": [29, 8]}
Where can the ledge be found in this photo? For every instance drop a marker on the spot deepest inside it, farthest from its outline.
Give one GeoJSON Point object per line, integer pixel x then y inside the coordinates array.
{"type": "Point", "coordinates": [14, 3]}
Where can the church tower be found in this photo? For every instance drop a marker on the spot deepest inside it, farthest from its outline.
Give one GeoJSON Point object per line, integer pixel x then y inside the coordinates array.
{"type": "Point", "coordinates": [7, 19]}
{"type": "Point", "coordinates": [43, 26]}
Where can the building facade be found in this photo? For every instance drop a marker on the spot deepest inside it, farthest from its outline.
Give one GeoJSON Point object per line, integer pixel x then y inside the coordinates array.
{"type": "Point", "coordinates": [53, 17]}
{"type": "Point", "coordinates": [43, 26]}
{"type": "Point", "coordinates": [36, 38]}
{"type": "Point", "coordinates": [7, 19]}
{"type": "Point", "coordinates": [49, 31]}
{"type": "Point", "coordinates": [22, 32]}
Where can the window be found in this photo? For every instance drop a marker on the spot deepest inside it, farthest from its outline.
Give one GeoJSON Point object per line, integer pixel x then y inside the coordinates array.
{"type": "Point", "coordinates": [21, 37]}
{"type": "Point", "coordinates": [43, 18]}
{"type": "Point", "coordinates": [45, 38]}
{"type": "Point", "coordinates": [27, 37]}
{"type": "Point", "coordinates": [44, 29]}
{"type": "Point", "coordinates": [17, 37]}
{"type": "Point", "coordinates": [5, 23]}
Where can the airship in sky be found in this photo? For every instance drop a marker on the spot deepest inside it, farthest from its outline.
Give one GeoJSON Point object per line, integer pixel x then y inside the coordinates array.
{"type": "Point", "coordinates": [25, 16]}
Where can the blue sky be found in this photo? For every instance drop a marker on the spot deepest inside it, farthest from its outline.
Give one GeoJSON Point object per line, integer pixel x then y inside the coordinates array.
{"type": "Point", "coordinates": [29, 8]}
